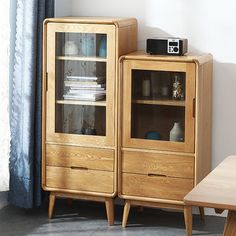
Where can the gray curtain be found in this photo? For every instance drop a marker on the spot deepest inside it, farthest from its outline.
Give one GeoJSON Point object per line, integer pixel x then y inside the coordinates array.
{"type": "Point", "coordinates": [25, 109]}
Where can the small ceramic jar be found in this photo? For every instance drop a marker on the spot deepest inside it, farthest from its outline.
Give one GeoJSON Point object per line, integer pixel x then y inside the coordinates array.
{"type": "Point", "coordinates": [71, 48]}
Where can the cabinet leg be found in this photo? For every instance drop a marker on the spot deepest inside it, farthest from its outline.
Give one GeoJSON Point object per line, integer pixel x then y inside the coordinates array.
{"type": "Point", "coordinates": [230, 224]}
{"type": "Point", "coordinates": [126, 213]}
{"type": "Point", "coordinates": [110, 210]}
{"type": "Point", "coordinates": [51, 205]}
{"type": "Point", "coordinates": [188, 219]}
{"type": "Point", "coordinates": [202, 213]}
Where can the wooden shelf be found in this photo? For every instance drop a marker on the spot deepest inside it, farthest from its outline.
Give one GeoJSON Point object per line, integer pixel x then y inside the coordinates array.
{"type": "Point", "coordinates": [160, 102]}
{"type": "Point", "coordinates": [86, 103]}
{"type": "Point", "coordinates": [80, 58]}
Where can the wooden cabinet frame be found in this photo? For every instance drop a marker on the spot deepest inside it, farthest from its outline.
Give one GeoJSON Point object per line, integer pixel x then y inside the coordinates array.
{"type": "Point", "coordinates": [66, 157]}
{"type": "Point", "coordinates": [52, 136]}
{"type": "Point", "coordinates": [161, 157]}
{"type": "Point", "coordinates": [189, 69]}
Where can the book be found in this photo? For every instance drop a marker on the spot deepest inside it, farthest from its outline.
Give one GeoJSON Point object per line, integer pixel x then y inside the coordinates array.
{"type": "Point", "coordinates": [84, 78]}
{"type": "Point", "coordinates": [80, 83]}
{"type": "Point", "coordinates": [84, 88]}
{"type": "Point", "coordinates": [87, 89]}
{"type": "Point", "coordinates": [81, 92]}
{"type": "Point", "coordinates": [87, 97]}
{"type": "Point", "coordinates": [85, 85]}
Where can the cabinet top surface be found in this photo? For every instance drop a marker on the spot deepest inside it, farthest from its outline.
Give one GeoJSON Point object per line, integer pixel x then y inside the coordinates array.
{"type": "Point", "coordinates": [119, 21]}
{"type": "Point", "coordinates": [141, 55]}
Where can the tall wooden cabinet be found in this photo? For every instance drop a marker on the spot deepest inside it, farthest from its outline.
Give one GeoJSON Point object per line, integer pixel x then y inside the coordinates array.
{"type": "Point", "coordinates": [79, 155]}
{"type": "Point", "coordinates": [165, 128]}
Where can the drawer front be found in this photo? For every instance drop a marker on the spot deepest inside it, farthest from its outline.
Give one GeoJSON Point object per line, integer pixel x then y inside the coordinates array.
{"type": "Point", "coordinates": [91, 158]}
{"type": "Point", "coordinates": [77, 179]}
{"type": "Point", "coordinates": [155, 186]}
{"type": "Point", "coordinates": [155, 163]}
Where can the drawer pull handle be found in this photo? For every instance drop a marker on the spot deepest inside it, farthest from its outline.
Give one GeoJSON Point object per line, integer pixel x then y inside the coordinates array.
{"type": "Point", "coordinates": [78, 168]}
{"type": "Point", "coordinates": [156, 175]}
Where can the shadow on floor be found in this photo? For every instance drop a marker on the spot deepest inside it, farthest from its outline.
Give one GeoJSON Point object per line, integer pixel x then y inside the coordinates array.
{"type": "Point", "coordinates": [89, 219]}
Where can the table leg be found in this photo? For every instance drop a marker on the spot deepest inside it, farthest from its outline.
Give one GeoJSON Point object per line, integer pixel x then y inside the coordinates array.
{"type": "Point", "coordinates": [188, 219]}
{"type": "Point", "coordinates": [202, 213]}
{"type": "Point", "coordinates": [230, 224]}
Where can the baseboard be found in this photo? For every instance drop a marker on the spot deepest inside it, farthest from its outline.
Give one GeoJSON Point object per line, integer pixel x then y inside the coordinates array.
{"type": "Point", "coordinates": [211, 212]}
{"type": "Point", "coordinates": [3, 199]}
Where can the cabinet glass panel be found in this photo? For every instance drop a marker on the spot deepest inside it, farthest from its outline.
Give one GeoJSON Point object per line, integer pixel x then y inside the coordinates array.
{"type": "Point", "coordinates": [80, 119]}
{"type": "Point", "coordinates": [81, 83]}
{"type": "Point", "coordinates": [158, 105]}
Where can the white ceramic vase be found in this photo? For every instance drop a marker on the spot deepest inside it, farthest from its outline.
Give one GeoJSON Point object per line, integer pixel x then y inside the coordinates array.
{"type": "Point", "coordinates": [176, 133]}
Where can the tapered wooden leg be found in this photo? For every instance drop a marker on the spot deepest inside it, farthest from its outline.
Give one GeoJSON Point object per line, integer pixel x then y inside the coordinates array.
{"type": "Point", "coordinates": [110, 210]}
{"type": "Point", "coordinates": [188, 219]}
{"type": "Point", "coordinates": [126, 213]}
{"type": "Point", "coordinates": [230, 224]}
{"type": "Point", "coordinates": [202, 213]}
{"type": "Point", "coordinates": [51, 205]}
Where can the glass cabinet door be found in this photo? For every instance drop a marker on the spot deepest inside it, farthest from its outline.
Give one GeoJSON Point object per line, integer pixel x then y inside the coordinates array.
{"type": "Point", "coordinates": [158, 105]}
{"type": "Point", "coordinates": [80, 66]}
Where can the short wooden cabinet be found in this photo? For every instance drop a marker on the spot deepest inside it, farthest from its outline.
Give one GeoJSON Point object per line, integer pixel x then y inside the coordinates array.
{"type": "Point", "coordinates": [80, 106]}
{"type": "Point", "coordinates": [165, 128]}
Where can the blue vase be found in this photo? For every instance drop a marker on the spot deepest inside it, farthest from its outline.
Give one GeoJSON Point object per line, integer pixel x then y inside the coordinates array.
{"type": "Point", "coordinates": [103, 47]}
{"type": "Point", "coordinates": [88, 45]}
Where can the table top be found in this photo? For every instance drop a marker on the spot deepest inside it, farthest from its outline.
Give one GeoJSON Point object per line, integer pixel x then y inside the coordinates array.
{"type": "Point", "coordinates": [218, 189]}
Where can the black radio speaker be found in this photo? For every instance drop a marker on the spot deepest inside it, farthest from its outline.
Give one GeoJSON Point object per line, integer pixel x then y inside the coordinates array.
{"type": "Point", "coordinates": [167, 46]}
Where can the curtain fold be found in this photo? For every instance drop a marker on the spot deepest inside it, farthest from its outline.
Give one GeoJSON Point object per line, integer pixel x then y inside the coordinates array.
{"type": "Point", "coordinates": [4, 94]}
{"type": "Point", "coordinates": [25, 116]}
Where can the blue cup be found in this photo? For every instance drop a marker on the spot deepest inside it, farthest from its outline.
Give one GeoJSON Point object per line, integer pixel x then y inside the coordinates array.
{"type": "Point", "coordinates": [153, 135]}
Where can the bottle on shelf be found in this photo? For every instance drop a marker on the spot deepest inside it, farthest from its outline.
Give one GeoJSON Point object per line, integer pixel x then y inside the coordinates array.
{"type": "Point", "coordinates": [165, 89]}
{"type": "Point", "coordinates": [178, 91]}
{"type": "Point", "coordinates": [146, 88]}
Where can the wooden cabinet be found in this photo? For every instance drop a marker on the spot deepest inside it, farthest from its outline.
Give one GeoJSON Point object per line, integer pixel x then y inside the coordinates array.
{"type": "Point", "coordinates": [165, 128]}
{"type": "Point", "coordinates": [80, 106]}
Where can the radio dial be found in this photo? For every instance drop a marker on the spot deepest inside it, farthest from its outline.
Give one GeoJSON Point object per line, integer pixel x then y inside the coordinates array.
{"type": "Point", "coordinates": [176, 49]}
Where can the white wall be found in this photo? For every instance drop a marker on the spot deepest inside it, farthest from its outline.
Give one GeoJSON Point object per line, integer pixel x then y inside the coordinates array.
{"type": "Point", "coordinates": [209, 26]}
{"type": "Point", "coordinates": [63, 8]}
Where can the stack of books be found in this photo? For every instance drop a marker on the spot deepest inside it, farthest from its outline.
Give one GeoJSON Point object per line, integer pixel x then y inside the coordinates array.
{"type": "Point", "coordinates": [84, 88]}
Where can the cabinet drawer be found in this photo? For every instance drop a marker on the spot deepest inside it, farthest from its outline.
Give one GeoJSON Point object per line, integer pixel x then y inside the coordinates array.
{"type": "Point", "coordinates": [91, 158]}
{"type": "Point", "coordinates": [77, 179]}
{"type": "Point", "coordinates": [155, 163]}
{"type": "Point", "coordinates": [155, 186]}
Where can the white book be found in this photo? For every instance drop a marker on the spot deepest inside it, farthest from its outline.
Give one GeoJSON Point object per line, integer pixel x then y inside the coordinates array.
{"type": "Point", "coordinates": [86, 89]}
{"type": "Point", "coordinates": [85, 78]}
{"type": "Point", "coordinates": [83, 98]}
{"type": "Point", "coordinates": [78, 86]}
{"type": "Point", "coordinates": [85, 92]}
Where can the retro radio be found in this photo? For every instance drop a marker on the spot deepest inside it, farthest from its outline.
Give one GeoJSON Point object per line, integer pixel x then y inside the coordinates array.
{"type": "Point", "coordinates": [167, 46]}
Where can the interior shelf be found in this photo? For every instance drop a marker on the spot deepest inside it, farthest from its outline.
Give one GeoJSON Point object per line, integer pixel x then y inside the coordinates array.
{"type": "Point", "coordinates": [160, 102]}
{"type": "Point", "coordinates": [86, 103]}
{"type": "Point", "coordinates": [81, 58]}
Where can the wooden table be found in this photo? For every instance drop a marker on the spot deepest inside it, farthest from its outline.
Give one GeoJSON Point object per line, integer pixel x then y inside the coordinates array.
{"type": "Point", "coordinates": [217, 190]}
